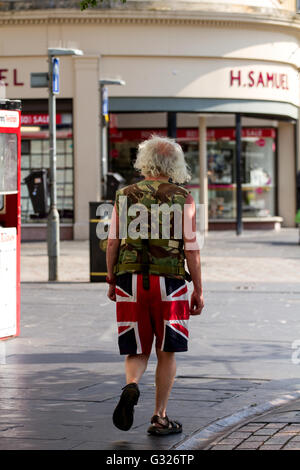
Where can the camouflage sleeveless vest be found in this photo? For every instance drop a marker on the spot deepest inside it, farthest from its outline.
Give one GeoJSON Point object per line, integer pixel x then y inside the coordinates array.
{"type": "Point", "coordinates": [159, 246]}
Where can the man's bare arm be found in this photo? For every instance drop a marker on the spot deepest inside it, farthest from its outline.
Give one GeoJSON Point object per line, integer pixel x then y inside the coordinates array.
{"type": "Point", "coordinates": [112, 252]}
{"type": "Point", "coordinates": [192, 254]}
{"type": "Point", "coordinates": [194, 266]}
{"type": "Point", "coordinates": [113, 244]}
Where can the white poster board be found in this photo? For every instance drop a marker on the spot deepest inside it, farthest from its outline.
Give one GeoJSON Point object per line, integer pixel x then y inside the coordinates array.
{"type": "Point", "coordinates": [8, 282]}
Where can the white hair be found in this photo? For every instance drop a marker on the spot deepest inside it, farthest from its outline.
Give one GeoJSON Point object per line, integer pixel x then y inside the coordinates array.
{"type": "Point", "coordinates": [162, 156]}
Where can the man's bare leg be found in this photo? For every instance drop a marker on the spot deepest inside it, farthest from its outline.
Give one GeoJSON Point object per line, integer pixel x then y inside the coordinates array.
{"type": "Point", "coordinates": [164, 379]}
{"type": "Point", "coordinates": [135, 366]}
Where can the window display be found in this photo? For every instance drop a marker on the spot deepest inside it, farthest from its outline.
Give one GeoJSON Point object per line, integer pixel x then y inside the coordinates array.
{"type": "Point", "coordinates": [259, 176]}
{"type": "Point", "coordinates": [220, 174]}
{"type": "Point", "coordinates": [258, 173]}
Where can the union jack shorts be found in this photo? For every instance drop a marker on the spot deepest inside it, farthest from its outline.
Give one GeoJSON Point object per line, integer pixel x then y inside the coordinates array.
{"type": "Point", "coordinates": [162, 311]}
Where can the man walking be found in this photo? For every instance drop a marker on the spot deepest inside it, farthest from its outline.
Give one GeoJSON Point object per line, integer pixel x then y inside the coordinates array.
{"type": "Point", "coordinates": [147, 277]}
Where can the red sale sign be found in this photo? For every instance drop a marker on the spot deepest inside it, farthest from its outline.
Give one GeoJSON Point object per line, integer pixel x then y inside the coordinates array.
{"type": "Point", "coordinates": [38, 119]}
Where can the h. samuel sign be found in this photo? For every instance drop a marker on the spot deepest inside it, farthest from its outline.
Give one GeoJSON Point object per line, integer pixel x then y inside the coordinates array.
{"type": "Point", "coordinates": [257, 78]}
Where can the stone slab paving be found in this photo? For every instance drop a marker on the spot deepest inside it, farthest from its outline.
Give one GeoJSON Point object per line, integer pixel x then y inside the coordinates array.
{"type": "Point", "coordinates": [278, 430]}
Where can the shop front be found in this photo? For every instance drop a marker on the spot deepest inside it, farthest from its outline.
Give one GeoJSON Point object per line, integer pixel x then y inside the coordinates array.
{"type": "Point", "coordinates": [259, 169]}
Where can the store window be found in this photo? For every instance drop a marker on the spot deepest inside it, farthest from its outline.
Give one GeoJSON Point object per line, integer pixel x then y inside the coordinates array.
{"type": "Point", "coordinates": [258, 173]}
{"type": "Point", "coordinates": [35, 155]}
{"type": "Point", "coordinates": [258, 167]}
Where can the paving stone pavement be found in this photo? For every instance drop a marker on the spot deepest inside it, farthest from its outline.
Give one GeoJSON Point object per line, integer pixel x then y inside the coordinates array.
{"type": "Point", "coordinates": [61, 379]}
{"type": "Point", "coordinates": [278, 430]}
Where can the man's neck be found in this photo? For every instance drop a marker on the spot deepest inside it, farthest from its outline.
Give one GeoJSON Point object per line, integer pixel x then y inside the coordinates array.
{"type": "Point", "coordinates": [154, 178]}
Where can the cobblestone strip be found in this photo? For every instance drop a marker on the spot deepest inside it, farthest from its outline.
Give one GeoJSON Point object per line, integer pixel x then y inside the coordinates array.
{"type": "Point", "coordinates": [261, 436]}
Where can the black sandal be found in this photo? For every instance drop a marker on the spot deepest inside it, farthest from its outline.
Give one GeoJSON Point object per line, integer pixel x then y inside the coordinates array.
{"type": "Point", "coordinates": [165, 426]}
{"type": "Point", "coordinates": [123, 414]}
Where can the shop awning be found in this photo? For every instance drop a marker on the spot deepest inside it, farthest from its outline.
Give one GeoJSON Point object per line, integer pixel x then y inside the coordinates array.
{"type": "Point", "coordinates": [266, 108]}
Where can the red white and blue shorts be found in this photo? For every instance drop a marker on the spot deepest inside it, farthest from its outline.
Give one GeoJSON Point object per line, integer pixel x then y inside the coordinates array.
{"type": "Point", "coordinates": [161, 312]}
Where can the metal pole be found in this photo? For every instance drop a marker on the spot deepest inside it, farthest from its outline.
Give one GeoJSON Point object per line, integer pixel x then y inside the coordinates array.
{"type": "Point", "coordinates": [203, 189]}
{"type": "Point", "coordinates": [238, 141]}
{"type": "Point", "coordinates": [105, 157]}
{"type": "Point", "coordinates": [104, 148]}
{"type": "Point", "coordinates": [53, 217]}
{"type": "Point", "coordinates": [297, 163]}
{"type": "Point", "coordinates": [172, 124]}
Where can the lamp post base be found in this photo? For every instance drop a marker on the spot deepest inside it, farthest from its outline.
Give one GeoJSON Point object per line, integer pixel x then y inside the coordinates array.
{"type": "Point", "coordinates": [53, 244]}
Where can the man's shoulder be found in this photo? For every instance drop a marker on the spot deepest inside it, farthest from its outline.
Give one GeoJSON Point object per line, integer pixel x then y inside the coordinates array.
{"type": "Point", "coordinates": [135, 193]}
{"type": "Point", "coordinates": [161, 189]}
{"type": "Point", "coordinates": [130, 188]}
{"type": "Point", "coordinates": [172, 189]}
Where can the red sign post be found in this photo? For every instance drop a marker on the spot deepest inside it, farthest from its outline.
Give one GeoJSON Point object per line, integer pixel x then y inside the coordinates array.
{"type": "Point", "coordinates": [10, 217]}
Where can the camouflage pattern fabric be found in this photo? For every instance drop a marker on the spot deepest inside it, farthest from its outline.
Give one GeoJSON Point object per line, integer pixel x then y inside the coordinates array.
{"type": "Point", "coordinates": [148, 192]}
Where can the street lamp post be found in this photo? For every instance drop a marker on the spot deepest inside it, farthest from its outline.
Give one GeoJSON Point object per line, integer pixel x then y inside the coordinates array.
{"type": "Point", "coordinates": [104, 119]}
{"type": "Point", "coordinates": [53, 216]}
{"type": "Point", "coordinates": [239, 200]}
